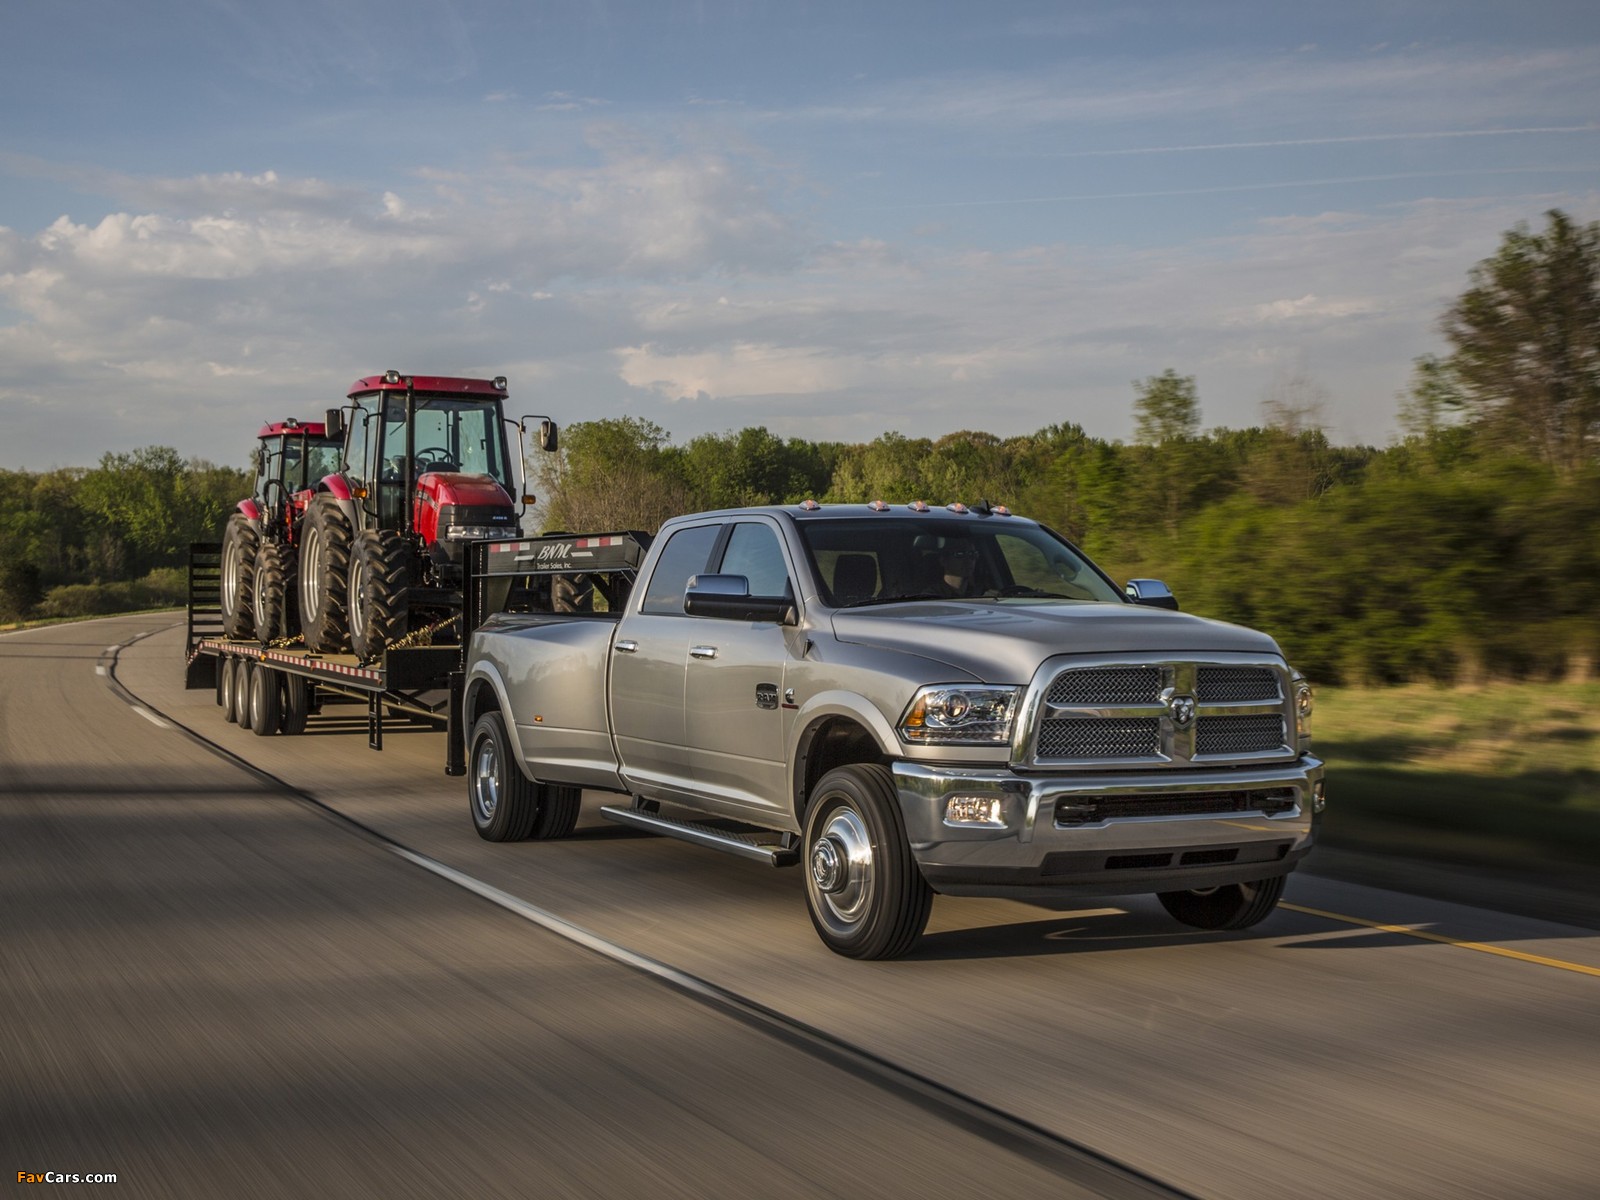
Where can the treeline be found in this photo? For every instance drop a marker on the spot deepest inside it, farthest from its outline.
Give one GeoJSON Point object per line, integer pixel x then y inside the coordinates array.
{"type": "Point", "coordinates": [1469, 549]}
{"type": "Point", "coordinates": [78, 541]}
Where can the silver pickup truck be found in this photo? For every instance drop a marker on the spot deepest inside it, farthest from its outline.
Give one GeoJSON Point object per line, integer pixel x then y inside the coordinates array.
{"type": "Point", "coordinates": [903, 700]}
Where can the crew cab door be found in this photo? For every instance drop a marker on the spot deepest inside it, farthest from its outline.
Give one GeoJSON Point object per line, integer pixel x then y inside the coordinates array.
{"type": "Point", "coordinates": [734, 701]}
{"type": "Point", "coordinates": [648, 659]}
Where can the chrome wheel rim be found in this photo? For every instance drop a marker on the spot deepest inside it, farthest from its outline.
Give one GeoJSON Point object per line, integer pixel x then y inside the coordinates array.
{"type": "Point", "coordinates": [840, 872]}
{"type": "Point", "coordinates": [485, 781]}
{"type": "Point", "coordinates": [230, 576]}
{"type": "Point", "coordinates": [358, 607]}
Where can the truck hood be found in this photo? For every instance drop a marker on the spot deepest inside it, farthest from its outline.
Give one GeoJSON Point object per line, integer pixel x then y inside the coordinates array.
{"type": "Point", "coordinates": [1006, 642]}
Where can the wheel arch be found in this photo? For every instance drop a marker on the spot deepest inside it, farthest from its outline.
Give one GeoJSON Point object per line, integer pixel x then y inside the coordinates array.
{"type": "Point", "coordinates": [838, 730]}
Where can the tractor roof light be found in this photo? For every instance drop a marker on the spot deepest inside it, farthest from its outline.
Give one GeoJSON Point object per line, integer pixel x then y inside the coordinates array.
{"type": "Point", "coordinates": [391, 376]}
{"type": "Point", "coordinates": [499, 383]}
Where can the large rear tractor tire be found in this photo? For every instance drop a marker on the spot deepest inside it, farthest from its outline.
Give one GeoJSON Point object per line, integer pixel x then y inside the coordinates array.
{"type": "Point", "coordinates": [1232, 906]}
{"type": "Point", "coordinates": [272, 599]}
{"type": "Point", "coordinates": [864, 891]}
{"type": "Point", "coordinates": [239, 544]}
{"type": "Point", "coordinates": [379, 591]}
{"type": "Point", "coordinates": [324, 570]}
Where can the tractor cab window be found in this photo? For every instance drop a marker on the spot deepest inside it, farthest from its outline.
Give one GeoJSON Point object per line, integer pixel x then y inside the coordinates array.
{"type": "Point", "coordinates": [267, 457]}
{"type": "Point", "coordinates": [322, 460]}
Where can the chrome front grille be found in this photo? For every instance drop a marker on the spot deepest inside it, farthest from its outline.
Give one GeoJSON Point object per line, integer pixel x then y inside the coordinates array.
{"type": "Point", "coordinates": [1086, 737]}
{"type": "Point", "coordinates": [1160, 713]}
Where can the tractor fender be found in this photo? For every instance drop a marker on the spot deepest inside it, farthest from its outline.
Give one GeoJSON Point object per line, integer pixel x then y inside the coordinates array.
{"type": "Point", "coordinates": [252, 513]}
{"type": "Point", "coordinates": [339, 488]}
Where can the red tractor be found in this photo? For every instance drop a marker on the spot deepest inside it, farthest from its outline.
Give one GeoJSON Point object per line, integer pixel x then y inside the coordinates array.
{"type": "Point", "coordinates": [427, 469]}
{"type": "Point", "coordinates": [258, 544]}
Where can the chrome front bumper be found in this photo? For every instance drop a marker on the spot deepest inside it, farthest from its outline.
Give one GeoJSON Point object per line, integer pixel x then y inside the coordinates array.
{"type": "Point", "coordinates": [1028, 854]}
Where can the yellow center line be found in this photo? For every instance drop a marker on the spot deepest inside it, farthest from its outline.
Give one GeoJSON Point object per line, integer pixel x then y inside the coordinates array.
{"type": "Point", "coordinates": [1411, 931]}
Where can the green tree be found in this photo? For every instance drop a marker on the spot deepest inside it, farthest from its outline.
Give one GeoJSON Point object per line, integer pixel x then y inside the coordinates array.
{"type": "Point", "coordinates": [1167, 409]}
{"type": "Point", "coordinates": [1526, 344]}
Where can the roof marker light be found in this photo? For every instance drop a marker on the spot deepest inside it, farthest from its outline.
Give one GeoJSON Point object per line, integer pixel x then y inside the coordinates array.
{"type": "Point", "coordinates": [918, 506]}
{"type": "Point", "coordinates": [957, 507]}
{"type": "Point", "coordinates": [878, 506]}
{"type": "Point", "coordinates": [1000, 510]}
{"type": "Point", "coordinates": [809, 505]}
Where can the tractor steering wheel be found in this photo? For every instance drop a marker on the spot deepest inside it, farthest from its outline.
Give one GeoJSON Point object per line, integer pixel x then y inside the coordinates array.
{"type": "Point", "coordinates": [434, 460]}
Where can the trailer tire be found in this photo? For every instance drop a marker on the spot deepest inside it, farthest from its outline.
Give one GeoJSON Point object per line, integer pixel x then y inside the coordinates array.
{"type": "Point", "coordinates": [324, 568]}
{"type": "Point", "coordinates": [243, 675]}
{"type": "Point", "coordinates": [864, 891]}
{"type": "Point", "coordinates": [264, 709]}
{"type": "Point", "coordinates": [1232, 906]}
{"type": "Point", "coordinates": [227, 688]}
{"type": "Point", "coordinates": [270, 594]}
{"type": "Point", "coordinates": [296, 703]}
{"type": "Point", "coordinates": [239, 544]}
{"type": "Point", "coordinates": [220, 676]}
{"type": "Point", "coordinates": [558, 811]}
{"type": "Point", "coordinates": [504, 801]}
{"type": "Point", "coordinates": [379, 591]}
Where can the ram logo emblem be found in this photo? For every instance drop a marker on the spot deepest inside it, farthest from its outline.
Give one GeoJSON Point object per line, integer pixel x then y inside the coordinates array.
{"type": "Point", "coordinates": [1182, 710]}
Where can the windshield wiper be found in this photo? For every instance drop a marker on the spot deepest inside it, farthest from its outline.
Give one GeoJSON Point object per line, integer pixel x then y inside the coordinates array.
{"type": "Point", "coordinates": [896, 599]}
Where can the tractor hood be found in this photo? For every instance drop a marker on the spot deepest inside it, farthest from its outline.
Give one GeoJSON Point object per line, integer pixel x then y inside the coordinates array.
{"type": "Point", "coordinates": [457, 487]}
{"type": "Point", "coordinates": [1004, 642]}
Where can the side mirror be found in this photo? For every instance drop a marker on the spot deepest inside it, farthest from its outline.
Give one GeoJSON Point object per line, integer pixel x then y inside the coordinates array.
{"type": "Point", "coordinates": [728, 597]}
{"type": "Point", "coordinates": [333, 423]}
{"type": "Point", "coordinates": [1151, 593]}
{"type": "Point", "coordinates": [547, 436]}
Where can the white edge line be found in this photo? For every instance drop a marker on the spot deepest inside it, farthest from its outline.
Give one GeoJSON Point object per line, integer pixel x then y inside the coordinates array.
{"type": "Point", "coordinates": [102, 669]}
{"type": "Point", "coordinates": [558, 926]}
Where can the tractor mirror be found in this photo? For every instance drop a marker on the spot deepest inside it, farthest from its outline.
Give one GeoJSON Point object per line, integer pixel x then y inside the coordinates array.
{"type": "Point", "coordinates": [547, 435]}
{"type": "Point", "coordinates": [333, 423]}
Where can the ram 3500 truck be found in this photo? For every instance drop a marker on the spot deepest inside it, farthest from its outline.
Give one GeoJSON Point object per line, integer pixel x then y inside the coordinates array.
{"type": "Point", "coordinates": [902, 700]}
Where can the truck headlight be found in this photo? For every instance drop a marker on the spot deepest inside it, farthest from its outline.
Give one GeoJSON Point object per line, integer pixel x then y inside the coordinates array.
{"type": "Point", "coordinates": [1303, 703]}
{"type": "Point", "coordinates": [954, 713]}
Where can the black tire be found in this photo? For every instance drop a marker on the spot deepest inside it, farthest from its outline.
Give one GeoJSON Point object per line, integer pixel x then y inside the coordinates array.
{"type": "Point", "coordinates": [228, 688]}
{"type": "Point", "coordinates": [220, 676]}
{"type": "Point", "coordinates": [239, 544]}
{"type": "Point", "coordinates": [324, 569]}
{"type": "Point", "coordinates": [1232, 906]}
{"type": "Point", "coordinates": [264, 709]}
{"type": "Point", "coordinates": [865, 894]}
{"type": "Point", "coordinates": [270, 593]}
{"type": "Point", "coordinates": [558, 811]}
{"type": "Point", "coordinates": [379, 591]}
{"type": "Point", "coordinates": [296, 703]}
{"type": "Point", "coordinates": [243, 670]}
{"type": "Point", "coordinates": [504, 801]}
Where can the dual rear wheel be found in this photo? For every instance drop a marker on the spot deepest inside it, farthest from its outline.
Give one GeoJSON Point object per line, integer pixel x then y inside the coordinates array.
{"type": "Point", "coordinates": [506, 805]}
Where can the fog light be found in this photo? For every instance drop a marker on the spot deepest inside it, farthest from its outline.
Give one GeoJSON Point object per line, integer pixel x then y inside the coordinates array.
{"type": "Point", "coordinates": [973, 810]}
{"type": "Point", "coordinates": [1319, 799]}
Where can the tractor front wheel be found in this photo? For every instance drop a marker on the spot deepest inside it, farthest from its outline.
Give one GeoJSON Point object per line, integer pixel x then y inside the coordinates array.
{"type": "Point", "coordinates": [274, 569]}
{"type": "Point", "coordinates": [380, 591]}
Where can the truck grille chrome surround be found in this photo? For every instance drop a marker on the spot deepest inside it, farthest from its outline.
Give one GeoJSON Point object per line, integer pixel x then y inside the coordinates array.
{"type": "Point", "coordinates": [1208, 710]}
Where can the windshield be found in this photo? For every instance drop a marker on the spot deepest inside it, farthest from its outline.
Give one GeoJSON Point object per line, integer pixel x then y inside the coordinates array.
{"type": "Point", "coordinates": [451, 435]}
{"type": "Point", "coordinates": [888, 559]}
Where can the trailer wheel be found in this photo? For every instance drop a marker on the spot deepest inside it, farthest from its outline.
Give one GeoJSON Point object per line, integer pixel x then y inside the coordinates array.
{"type": "Point", "coordinates": [865, 894]}
{"type": "Point", "coordinates": [270, 592]}
{"type": "Point", "coordinates": [324, 567]}
{"type": "Point", "coordinates": [264, 711]}
{"type": "Point", "coordinates": [239, 543]}
{"type": "Point", "coordinates": [227, 688]}
{"type": "Point", "coordinates": [1232, 906]}
{"type": "Point", "coordinates": [243, 670]}
{"type": "Point", "coordinates": [504, 801]}
{"type": "Point", "coordinates": [220, 676]}
{"type": "Point", "coordinates": [380, 591]}
{"type": "Point", "coordinates": [296, 703]}
{"type": "Point", "coordinates": [558, 811]}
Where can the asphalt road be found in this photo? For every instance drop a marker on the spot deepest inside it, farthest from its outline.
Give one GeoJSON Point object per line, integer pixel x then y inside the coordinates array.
{"type": "Point", "coordinates": [214, 984]}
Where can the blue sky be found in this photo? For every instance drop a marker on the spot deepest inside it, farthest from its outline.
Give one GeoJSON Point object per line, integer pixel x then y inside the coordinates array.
{"type": "Point", "coordinates": [831, 219]}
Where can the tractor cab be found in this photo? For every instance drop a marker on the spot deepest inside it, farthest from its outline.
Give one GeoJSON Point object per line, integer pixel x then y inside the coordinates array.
{"type": "Point", "coordinates": [290, 458]}
{"type": "Point", "coordinates": [427, 468]}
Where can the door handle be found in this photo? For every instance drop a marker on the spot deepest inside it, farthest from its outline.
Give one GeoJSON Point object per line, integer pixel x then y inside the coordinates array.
{"type": "Point", "coordinates": [627, 647]}
{"type": "Point", "coordinates": [702, 651]}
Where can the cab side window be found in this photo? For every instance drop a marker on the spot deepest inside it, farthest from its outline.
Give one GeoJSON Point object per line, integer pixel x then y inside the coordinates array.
{"type": "Point", "coordinates": [684, 555]}
{"type": "Point", "coordinates": [753, 551]}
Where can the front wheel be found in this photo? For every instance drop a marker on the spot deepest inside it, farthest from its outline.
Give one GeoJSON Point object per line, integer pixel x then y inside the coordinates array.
{"type": "Point", "coordinates": [864, 892]}
{"type": "Point", "coordinates": [324, 569]}
{"type": "Point", "coordinates": [379, 591]}
{"type": "Point", "coordinates": [274, 570]}
{"type": "Point", "coordinates": [1232, 906]}
{"type": "Point", "coordinates": [239, 544]}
